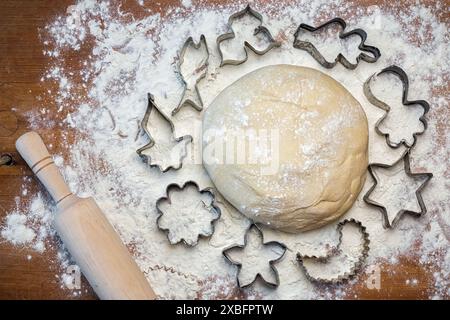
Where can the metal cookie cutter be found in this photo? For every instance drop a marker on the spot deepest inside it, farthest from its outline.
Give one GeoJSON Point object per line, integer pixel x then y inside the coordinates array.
{"type": "Point", "coordinates": [211, 208]}
{"type": "Point", "coordinates": [407, 167]}
{"type": "Point", "coordinates": [191, 95]}
{"type": "Point", "coordinates": [324, 259]}
{"type": "Point", "coordinates": [258, 30]}
{"type": "Point", "coordinates": [283, 247]}
{"type": "Point", "coordinates": [153, 108]}
{"type": "Point", "coordinates": [380, 104]}
{"type": "Point", "coordinates": [312, 50]}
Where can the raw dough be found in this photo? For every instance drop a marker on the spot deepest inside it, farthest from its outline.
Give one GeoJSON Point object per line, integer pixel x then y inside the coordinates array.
{"type": "Point", "coordinates": [313, 164]}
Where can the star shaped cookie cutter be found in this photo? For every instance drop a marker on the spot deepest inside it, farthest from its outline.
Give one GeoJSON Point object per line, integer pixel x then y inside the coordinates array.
{"type": "Point", "coordinates": [401, 74]}
{"type": "Point", "coordinates": [203, 69]}
{"type": "Point", "coordinates": [213, 207]}
{"type": "Point", "coordinates": [258, 30]}
{"type": "Point", "coordinates": [407, 168]}
{"type": "Point", "coordinates": [271, 262]}
{"type": "Point", "coordinates": [324, 259]}
{"type": "Point", "coordinates": [312, 50]}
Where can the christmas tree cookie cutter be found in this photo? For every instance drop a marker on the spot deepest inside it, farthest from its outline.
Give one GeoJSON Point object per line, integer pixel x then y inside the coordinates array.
{"type": "Point", "coordinates": [401, 74]}
{"type": "Point", "coordinates": [272, 262]}
{"type": "Point", "coordinates": [212, 209]}
{"type": "Point", "coordinates": [152, 108]}
{"type": "Point", "coordinates": [260, 29]}
{"type": "Point", "coordinates": [368, 54]}
{"type": "Point", "coordinates": [325, 259]}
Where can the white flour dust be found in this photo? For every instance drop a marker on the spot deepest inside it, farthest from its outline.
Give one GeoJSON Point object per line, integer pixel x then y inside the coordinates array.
{"type": "Point", "coordinates": [122, 57]}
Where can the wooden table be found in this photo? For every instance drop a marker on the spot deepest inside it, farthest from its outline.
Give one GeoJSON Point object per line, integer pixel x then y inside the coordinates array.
{"type": "Point", "coordinates": [22, 64]}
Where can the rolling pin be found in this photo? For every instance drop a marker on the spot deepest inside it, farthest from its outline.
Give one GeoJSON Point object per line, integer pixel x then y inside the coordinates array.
{"type": "Point", "coordinates": [92, 241]}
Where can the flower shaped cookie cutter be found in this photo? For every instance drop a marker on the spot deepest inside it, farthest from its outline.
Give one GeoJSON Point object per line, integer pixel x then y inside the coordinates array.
{"type": "Point", "coordinates": [226, 254]}
{"type": "Point", "coordinates": [194, 228]}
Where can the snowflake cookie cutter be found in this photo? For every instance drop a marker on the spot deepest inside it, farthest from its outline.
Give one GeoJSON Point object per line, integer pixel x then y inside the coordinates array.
{"type": "Point", "coordinates": [213, 207]}
{"type": "Point", "coordinates": [407, 168]}
{"type": "Point", "coordinates": [191, 96]}
{"type": "Point", "coordinates": [271, 262]}
{"type": "Point", "coordinates": [324, 259]}
{"type": "Point", "coordinates": [152, 107]}
{"type": "Point", "coordinates": [258, 30]}
{"type": "Point", "coordinates": [401, 74]}
{"type": "Point", "coordinates": [312, 50]}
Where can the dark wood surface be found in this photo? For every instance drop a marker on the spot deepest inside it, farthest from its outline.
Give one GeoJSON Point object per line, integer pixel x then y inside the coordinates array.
{"type": "Point", "coordinates": [22, 63]}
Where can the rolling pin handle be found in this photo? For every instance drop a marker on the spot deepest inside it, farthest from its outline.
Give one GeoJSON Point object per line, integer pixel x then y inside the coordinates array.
{"type": "Point", "coordinates": [35, 153]}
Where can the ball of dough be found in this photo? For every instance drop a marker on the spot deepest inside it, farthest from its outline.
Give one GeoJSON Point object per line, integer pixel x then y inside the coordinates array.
{"type": "Point", "coordinates": [287, 146]}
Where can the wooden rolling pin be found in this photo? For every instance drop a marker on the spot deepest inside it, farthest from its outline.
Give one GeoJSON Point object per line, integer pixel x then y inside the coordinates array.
{"type": "Point", "coordinates": [85, 231]}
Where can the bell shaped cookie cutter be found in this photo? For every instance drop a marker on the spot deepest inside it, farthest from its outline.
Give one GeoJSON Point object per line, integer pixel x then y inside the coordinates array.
{"type": "Point", "coordinates": [401, 74]}
{"type": "Point", "coordinates": [271, 262]}
{"type": "Point", "coordinates": [195, 99]}
{"type": "Point", "coordinates": [407, 167]}
{"type": "Point", "coordinates": [152, 107]}
{"type": "Point", "coordinates": [213, 207]}
{"type": "Point", "coordinates": [258, 30]}
{"type": "Point", "coordinates": [312, 50]}
{"type": "Point", "coordinates": [324, 259]}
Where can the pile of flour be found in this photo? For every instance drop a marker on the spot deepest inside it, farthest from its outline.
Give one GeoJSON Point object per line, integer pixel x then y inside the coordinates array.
{"type": "Point", "coordinates": [125, 55]}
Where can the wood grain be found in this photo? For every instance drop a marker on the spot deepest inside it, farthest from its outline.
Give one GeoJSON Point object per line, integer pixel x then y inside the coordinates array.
{"type": "Point", "coordinates": [22, 64]}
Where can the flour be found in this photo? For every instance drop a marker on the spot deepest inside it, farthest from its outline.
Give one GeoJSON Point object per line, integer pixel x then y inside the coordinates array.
{"type": "Point", "coordinates": [127, 57]}
{"type": "Point", "coordinates": [31, 228]}
{"type": "Point", "coordinates": [16, 231]}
